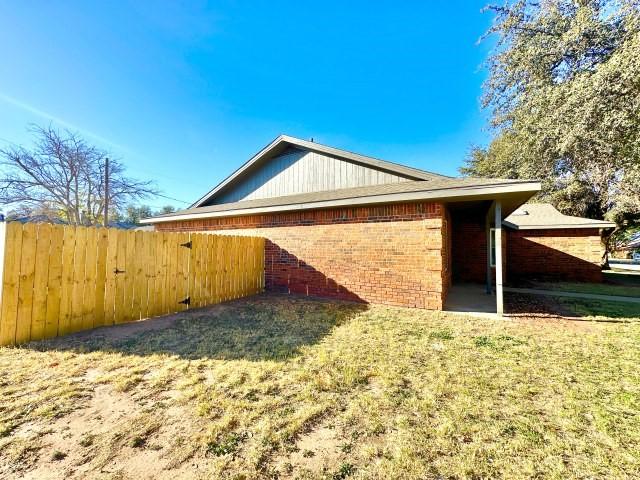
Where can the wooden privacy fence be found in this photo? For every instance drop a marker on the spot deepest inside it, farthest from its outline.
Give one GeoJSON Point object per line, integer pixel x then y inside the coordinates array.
{"type": "Point", "coordinates": [62, 279]}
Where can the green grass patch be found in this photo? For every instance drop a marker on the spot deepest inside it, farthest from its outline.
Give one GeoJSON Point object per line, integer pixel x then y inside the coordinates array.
{"type": "Point", "coordinates": [226, 445]}
{"type": "Point", "coordinates": [622, 277]}
{"type": "Point", "coordinates": [601, 309]}
{"type": "Point", "coordinates": [593, 288]}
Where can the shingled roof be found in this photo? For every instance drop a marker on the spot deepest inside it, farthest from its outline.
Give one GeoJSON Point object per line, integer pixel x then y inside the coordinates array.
{"type": "Point", "coordinates": [416, 185]}
{"type": "Point", "coordinates": [433, 189]}
{"type": "Point", "coordinates": [531, 216]}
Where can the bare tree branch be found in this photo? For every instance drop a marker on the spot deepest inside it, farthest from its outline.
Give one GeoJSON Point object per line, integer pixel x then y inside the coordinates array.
{"type": "Point", "coordinates": [64, 176]}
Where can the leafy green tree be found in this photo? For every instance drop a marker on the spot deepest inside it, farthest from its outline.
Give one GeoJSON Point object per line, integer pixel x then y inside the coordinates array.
{"type": "Point", "coordinates": [134, 213]}
{"type": "Point", "coordinates": [564, 95]}
{"type": "Point", "coordinates": [166, 209]}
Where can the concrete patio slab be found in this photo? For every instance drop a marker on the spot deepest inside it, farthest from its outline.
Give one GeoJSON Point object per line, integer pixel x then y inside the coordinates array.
{"type": "Point", "coordinates": [471, 299]}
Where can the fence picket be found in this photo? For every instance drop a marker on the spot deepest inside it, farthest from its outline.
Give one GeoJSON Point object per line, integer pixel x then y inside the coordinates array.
{"type": "Point", "coordinates": [194, 292]}
{"type": "Point", "coordinates": [89, 294]}
{"type": "Point", "coordinates": [101, 277]}
{"type": "Point", "coordinates": [149, 266]}
{"type": "Point", "coordinates": [110, 277]}
{"type": "Point", "coordinates": [142, 274]}
{"type": "Point", "coordinates": [40, 281]}
{"type": "Point", "coordinates": [79, 269]}
{"type": "Point", "coordinates": [129, 277]}
{"type": "Point", "coordinates": [172, 274]}
{"type": "Point", "coordinates": [153, 261]}
{"type": "Point", "coordinates": [10, 281]}
{"type": "Point", "coordinates": [182, 285]}
{"type": "Point", "coordinates": [211, 269]}
{"type": "Point", "coordinates": [162, 282]}
{"type": "Point", "coordinates": [66, 287]}
{"type": "Point", "coordinates": [54, 283]}
{"type": "Point", "coordinates": [120, 279]}
{"type": "Point", "coordinates": [25, 288]}
{"type": "Point", "coordinates": [62, 279]}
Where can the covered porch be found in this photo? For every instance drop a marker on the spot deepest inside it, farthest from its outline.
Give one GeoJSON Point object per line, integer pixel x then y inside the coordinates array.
{"type": "Point", "coordinates": [476, 267]}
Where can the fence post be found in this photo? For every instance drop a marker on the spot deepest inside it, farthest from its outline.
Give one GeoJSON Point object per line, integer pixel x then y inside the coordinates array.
{"type": "Point", "coordinates": [3, 242]}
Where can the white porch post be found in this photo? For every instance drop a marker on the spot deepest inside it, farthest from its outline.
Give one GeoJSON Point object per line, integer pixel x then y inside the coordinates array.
{"type": "Point", "coordinates": [498, 249]}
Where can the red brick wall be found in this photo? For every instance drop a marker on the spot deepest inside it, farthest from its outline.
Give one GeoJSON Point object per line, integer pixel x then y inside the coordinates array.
{"type": "Point", "coordinates": [469, 247]}
{"type": "Point", "coordinates": [571, 254]}
{"type": "Point", "coordinates": [469, 233]}
{"type": "Point", "coordinates": [391, 254]}
{"type": "Point", "coordinates": [447, 254]}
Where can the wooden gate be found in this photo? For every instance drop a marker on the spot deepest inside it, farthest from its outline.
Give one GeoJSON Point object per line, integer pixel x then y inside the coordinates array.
{"type": "Point", "coordinates": [61, 279]}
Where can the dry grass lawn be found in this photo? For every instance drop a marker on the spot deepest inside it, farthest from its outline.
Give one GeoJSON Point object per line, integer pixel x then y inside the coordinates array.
{"type": "Point", "coordinates": [285, 387]}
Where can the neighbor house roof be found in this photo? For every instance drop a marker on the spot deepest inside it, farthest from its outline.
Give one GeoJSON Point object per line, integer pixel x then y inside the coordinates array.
{"type": "Point", "coordinates": [281, 143]}
{"type": "Point", "coordinates": [634, 241]}
{"type": "Point", "coordinates": [436, 188]}
{"type": "Point", "coordinates": [531, 216]}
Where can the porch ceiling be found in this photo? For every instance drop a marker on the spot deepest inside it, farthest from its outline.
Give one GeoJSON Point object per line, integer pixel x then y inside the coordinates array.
{"type": "Point", "coordinates": [511, 201]}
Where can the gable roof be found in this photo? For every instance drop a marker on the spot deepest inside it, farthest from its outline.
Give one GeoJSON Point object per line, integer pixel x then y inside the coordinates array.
{"type": "Point", "coordinates": [532, 216]}
{"type": "Point", "coordinates": [444, 188]}
{"type": "Point", "coordinates": [281, 143]}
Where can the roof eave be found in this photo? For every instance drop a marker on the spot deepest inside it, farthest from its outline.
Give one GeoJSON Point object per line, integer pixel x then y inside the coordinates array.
{"type": "Point", "coordinates": [238, 171]}
{"type": "Point", "coordinates": [527, 189]}
{"type": "Point", "coordinates": [564, 226]}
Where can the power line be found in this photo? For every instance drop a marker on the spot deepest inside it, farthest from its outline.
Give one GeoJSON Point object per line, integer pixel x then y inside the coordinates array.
{"type": "Point", "coordinates": [174, 199]}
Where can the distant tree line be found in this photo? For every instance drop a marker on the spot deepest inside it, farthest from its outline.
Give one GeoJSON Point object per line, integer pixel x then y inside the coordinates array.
{"type": "Point", "coordinates": [135, 213]}
{"type": "Point", "coordinates": [63, 178]}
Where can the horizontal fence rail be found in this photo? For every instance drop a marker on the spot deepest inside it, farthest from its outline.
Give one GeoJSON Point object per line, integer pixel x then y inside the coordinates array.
{"type": "Point", "coordinates": [62, 279]}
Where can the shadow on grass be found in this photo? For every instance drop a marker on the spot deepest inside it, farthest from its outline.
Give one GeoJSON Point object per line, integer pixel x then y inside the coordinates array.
{"type": "Point", "coordinates": [566, 308]}
{"type": "Point", "coordinates": [263, 327]}
{"type": "Point", "coordinates": [621, 277]}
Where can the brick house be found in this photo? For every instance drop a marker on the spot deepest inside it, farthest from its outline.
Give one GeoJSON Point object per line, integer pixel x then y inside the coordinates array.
{"type": "Point", "coordinates": [348, 226]}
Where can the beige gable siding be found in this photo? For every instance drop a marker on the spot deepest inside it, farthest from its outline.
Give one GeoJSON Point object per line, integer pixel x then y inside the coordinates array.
{"type": "Point", "coordinates": [300, 171]}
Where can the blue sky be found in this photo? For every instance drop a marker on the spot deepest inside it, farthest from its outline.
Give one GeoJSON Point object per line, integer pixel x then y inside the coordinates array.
{"type": "Point", "coordinates": [185, 92]}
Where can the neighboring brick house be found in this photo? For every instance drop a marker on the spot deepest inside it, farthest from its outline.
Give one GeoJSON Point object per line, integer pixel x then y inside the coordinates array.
{"type": "Point", "coordinates": [347, 226]}
{"type": "Point", "coordinates": [545, 244]}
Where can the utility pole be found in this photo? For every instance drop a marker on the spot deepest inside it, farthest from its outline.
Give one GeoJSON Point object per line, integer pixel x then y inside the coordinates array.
{"type": "Point", "coordinates": [106, 192]}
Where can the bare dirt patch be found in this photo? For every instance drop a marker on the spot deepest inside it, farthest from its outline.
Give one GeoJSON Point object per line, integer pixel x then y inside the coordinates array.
{"type": "Point", "coordinates": [127, 330]}
{"type": "Point", "coordinates": [114, 435]}
{"type": "Point", "coordinates": [315, 452]}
